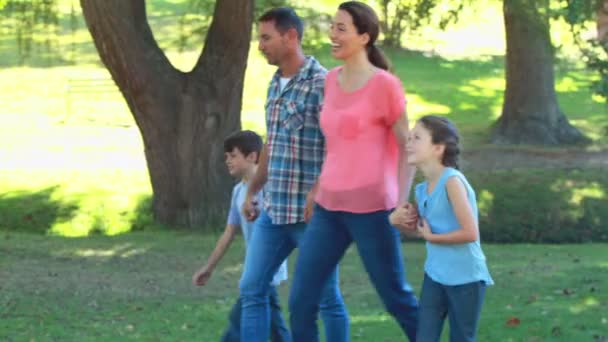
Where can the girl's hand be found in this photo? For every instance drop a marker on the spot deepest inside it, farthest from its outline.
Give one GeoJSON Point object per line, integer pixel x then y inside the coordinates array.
{"type": "Point", "coordinates": [424, 230]}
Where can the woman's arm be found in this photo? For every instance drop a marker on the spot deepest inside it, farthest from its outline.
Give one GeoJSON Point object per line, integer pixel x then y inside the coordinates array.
{"type": "Point", "coordinates": [405, 171]}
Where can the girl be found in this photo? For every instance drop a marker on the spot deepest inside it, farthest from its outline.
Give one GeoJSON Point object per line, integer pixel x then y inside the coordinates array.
{"type": "Point", "coordinates": [364, 123]}
{"type": "Point", "coordinates": [456, 274]}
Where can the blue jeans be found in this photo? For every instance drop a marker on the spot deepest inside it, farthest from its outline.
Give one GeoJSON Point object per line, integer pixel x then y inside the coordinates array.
{"type": "Point", "coordinates": [461, 303]}
{"type": "Point", "coordinates": [329, 235]}
{"type": "Point", "coordinates": [270, 244]}
{"type": "Point", "coordinates": [278, 329]}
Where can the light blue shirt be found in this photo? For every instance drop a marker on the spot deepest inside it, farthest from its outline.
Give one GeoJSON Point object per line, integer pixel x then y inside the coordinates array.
{"type": "Point", "coordinates": [454, 264]}
{"type": "Point", "coordinates": [236, 217]}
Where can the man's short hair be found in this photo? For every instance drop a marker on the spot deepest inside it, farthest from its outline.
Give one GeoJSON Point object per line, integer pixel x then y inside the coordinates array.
{"type": "Point", "coordinates": [246, 141]}
{"type": "Point", "coordinates": [284, 19]}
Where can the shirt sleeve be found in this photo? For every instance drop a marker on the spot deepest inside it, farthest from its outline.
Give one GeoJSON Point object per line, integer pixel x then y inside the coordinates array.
{"type": "Point", "coordinates": [396, 100]}
{"type": "Point", "coordinates": [233, 214]}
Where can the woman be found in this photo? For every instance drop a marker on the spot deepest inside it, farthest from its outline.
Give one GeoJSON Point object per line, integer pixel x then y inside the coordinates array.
{"type": "Point", "coordinates": [364, 176]}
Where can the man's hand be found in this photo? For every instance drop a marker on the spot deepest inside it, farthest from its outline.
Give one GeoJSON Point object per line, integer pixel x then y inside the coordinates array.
{"type": "Point", "coordinates": [310, 204]}
{"type": "Point", "coordinates": [250, 208]}
{"type": "Point", "coordinates": [201, 277]}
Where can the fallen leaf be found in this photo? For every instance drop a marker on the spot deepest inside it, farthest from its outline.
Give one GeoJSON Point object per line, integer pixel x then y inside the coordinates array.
{"type": "Point", "coordinates": [513, 322]}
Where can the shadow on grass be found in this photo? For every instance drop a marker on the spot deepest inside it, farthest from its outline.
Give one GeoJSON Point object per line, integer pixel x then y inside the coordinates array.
{"type": "Point", "coordinates": [33, 211]}
{"type": "Point", "coordinates": [48, 211]}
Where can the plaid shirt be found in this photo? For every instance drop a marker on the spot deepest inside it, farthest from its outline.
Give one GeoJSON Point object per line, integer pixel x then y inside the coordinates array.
{"type": "Point", "coordinates": [295, 143]}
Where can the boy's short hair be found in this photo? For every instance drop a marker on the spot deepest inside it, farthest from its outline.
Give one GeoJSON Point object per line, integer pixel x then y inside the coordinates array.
{"type": "Point", "coordinates": [284, 19]}
{"type": "Point", "coordinates": [245, 141]}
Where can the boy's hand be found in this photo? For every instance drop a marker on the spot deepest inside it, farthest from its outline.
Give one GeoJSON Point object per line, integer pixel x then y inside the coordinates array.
{"type": "Point", "coordinates": [201, 277]}
{"type": "Point", "coordinates": [308, 209]}
{"type": "Point", "coordinates": [250, 208]}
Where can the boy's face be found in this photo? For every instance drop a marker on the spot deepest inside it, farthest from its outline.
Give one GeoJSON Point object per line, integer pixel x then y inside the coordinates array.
{"type": "Point", "coordinates": [238, 165]}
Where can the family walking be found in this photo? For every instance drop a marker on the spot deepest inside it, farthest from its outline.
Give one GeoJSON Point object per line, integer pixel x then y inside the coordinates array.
{"type": "Point", "coordinates": [337, 169]}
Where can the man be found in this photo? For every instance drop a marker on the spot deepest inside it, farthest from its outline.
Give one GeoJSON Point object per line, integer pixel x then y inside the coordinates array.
{"type": "Point", "coordinates": [289, 167]}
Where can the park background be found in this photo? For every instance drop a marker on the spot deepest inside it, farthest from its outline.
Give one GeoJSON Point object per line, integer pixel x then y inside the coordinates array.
{"type": "Point", "coordinates": [82, 256]}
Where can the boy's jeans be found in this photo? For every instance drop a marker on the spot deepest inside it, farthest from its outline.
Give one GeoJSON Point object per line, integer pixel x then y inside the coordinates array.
{"type": "Point", "coordinates": [278, 329]}
{"type": "Point", "coordinates": [329, 235]}
{"type": "Point", "coordinates": [270, 244]}
{"type": "Point", "coordinates": [461, 303]}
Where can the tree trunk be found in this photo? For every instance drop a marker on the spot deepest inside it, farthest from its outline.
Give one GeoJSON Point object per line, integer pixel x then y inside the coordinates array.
{"type": "Point", "coordinates": [183, 117]}
{"type": "Point", "coordinates": [531, 114]}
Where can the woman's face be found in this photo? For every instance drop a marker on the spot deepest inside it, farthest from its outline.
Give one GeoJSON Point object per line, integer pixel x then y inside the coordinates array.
{"type": "Point", "coordinates": [345, 41]}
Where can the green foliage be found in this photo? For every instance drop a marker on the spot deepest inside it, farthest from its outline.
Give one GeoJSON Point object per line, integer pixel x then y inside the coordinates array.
{"type": "Point", "coordinates": [400, 16]}
{"type": "Point", "coordinates": [579, 14]}
{"type": "Point", "coordinates": [29, 18]}
{"type": "Point", "coordinates": [195, 24]}
{"type": "Point", "coordinates": [542, 206]}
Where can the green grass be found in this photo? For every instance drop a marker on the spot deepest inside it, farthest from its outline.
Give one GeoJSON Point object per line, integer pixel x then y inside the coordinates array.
{"type": "Point", "coordinates": [137, 286]}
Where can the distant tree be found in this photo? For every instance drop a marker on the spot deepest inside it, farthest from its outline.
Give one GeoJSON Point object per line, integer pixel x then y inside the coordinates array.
{"type": "Point", "coordinates": [531, 114]}
{"type": "Point", "coordinates": [401, 16]}
{"type": "Point", "coordinates": [26, 17]}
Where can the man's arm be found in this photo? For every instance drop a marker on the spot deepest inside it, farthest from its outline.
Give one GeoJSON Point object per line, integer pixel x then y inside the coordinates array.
{"type": "Point", "coordinates": [255, 185]}
{"type": "Point", "coordinates": [405, 171]}
{"type": "Point", "coordinates": [201, 277]}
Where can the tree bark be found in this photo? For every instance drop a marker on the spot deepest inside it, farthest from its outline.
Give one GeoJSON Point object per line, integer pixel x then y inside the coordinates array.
{"type": "Point", "coordinates": [183, 117]}
{"type": "Point", "coordinates": [531, 114]}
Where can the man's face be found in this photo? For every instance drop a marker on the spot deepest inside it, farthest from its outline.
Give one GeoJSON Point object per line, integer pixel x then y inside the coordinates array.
{"type": "Point", "coordinates": [272, 44]}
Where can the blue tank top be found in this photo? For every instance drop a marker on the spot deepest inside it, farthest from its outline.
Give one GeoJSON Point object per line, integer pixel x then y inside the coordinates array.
{"type": "Point", "coordinates": [450, 264]}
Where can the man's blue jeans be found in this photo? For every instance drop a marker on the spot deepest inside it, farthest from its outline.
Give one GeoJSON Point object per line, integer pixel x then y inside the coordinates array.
{"type": "Point", "coordinates": [278, 328]}
{"type": "Point", "coordinates": [460, 303]}
{"type": "Point", "coordinates": [270, 244]}
{"type": "Point", "coordinates": [329, 235]}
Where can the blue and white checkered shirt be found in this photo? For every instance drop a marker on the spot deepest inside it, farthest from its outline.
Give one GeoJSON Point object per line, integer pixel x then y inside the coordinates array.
{"type": "Point", "coordinates": [295, 143]}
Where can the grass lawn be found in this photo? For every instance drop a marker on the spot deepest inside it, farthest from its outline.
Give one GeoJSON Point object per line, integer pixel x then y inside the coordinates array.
{"type": "Point", "coordinates": [137, 286]}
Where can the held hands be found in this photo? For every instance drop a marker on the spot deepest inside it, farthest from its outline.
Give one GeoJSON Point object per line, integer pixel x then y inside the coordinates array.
{"type": "Point", "coordinates": [250, 208]}
{"type": "Point", "coordinates": [405, 218]}
{"type": "Point", "coordinates": [201, 277]}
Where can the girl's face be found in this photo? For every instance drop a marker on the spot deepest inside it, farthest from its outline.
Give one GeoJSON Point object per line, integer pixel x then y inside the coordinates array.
{"type": "Point", "coordinates": [420, 147]}
{"type": "Point", "coordinates": [345, 40]}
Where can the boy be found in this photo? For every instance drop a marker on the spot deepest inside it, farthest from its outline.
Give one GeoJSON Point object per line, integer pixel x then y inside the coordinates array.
{"type": "Point", "coordinates": [242, 150]}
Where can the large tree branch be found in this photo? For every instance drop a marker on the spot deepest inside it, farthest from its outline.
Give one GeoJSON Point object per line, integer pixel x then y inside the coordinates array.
{"type": "Point", "coordinates": [228, 37]}
{"type": "Point", "coordinates": [127, 47]}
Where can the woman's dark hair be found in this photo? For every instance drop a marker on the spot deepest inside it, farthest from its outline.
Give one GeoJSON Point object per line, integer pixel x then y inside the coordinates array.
{"type": "Point", "coordinates": [445, 133]}
{"type": "Point", "coordinates": [366, 21]}
{"type": "Point", "coordinates": [284, 19]}
{"type": "Point", "coordinates": [245, 141]}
